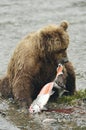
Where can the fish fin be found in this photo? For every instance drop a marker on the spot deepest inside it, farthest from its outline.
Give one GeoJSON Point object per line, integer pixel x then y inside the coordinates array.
{"type": "Point", "coordinates": [44, 108]}
{"type": "Point", "coordinates": [52, 92]}
{"type": "Point", "coordinates": [55, 85]}
{"type": "Point", "coordinates": [61, 93]}
{"type": "Point", "coordinates": [66, 91]}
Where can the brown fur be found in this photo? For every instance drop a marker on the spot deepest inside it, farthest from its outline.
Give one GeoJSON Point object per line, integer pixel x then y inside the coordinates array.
{"type": "Point", "coordinates": [34, 63]}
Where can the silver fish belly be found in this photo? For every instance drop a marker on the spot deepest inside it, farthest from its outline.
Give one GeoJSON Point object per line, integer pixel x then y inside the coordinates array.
{"type": "Point", "coordinates": [39, 103]}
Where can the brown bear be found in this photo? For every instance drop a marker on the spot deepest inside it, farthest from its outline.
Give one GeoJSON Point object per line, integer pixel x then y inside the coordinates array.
{"type": "Point", "coordinates": [34, 63]}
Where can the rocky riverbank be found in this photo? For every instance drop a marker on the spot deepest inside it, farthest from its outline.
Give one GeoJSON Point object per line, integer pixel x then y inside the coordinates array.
{"type": "Point", "coordinates": [67, 113]}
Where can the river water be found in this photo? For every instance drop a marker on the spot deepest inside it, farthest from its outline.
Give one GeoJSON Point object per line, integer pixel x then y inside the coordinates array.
{"type": "Point", "coordinates": [19, 17]}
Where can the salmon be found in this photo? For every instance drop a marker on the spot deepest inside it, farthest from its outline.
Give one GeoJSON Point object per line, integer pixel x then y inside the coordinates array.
{"type": "Point", "coordinates": [39, 103]}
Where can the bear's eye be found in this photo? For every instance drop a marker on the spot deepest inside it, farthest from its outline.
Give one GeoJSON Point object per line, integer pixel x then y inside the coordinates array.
{"type": "Point", "coordinates": [62, 51]}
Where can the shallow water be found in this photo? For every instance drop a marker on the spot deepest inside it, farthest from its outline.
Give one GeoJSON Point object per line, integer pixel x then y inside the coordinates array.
{"type": "Point", "coordinates": [19, 17]}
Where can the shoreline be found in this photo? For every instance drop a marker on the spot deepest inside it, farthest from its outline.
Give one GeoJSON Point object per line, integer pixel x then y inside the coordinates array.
{"type": "Point", "coordinates": [67, 111]}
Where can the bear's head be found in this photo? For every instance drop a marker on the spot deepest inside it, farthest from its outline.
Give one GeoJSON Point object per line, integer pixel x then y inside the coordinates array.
{"type": "Point", "coordinates": [54, 38]}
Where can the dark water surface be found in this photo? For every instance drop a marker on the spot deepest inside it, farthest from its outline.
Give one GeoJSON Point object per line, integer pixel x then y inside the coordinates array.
{"type": "Point", "coordinates": [19, 17]}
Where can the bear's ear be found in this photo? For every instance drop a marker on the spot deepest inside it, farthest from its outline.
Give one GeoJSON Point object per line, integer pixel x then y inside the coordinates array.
{"type": "Point", "coordinates": [64, 25]}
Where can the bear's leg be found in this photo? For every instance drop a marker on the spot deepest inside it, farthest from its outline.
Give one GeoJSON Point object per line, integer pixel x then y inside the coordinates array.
{"type": "Point", "coordinates": [22, 91]}
{"type": "Point", "coordinates": [5, 88]}
{"type": "Point", "coordinates": [71, 79]}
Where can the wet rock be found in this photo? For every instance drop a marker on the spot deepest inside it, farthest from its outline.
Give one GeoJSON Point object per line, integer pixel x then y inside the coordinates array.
{"type": "Point", "coordinates": [84, 100]}
{"type": "Point", "coordinates": [2, 113]}
{"type": "Point", "coordinates": [49, 120]}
